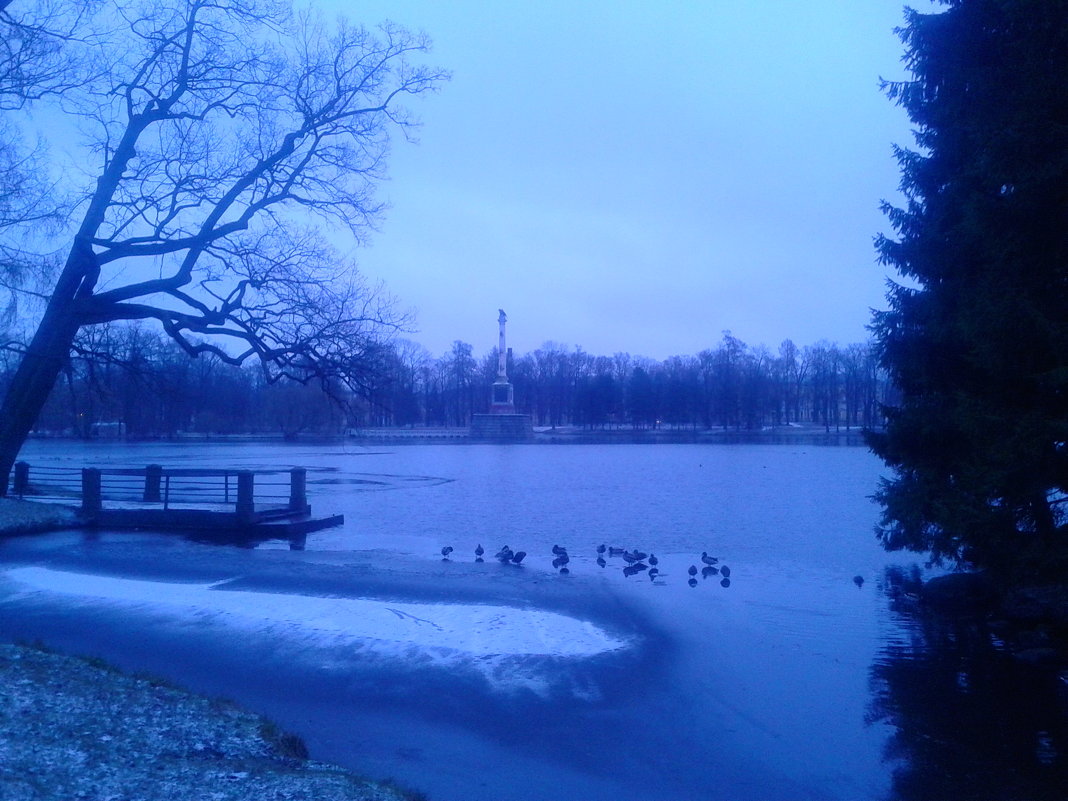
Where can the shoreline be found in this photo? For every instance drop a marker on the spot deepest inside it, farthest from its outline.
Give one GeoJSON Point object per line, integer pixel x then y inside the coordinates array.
{"type": "Point", "coordinates": [73, 727]}
{"type": "Point", "coordinates": [790, 434]}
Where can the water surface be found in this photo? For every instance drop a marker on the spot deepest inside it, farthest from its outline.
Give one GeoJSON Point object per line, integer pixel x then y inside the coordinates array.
{"type": "Point", "coordinates": [793, 682]}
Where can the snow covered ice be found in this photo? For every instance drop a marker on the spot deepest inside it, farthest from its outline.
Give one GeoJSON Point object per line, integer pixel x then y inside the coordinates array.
{"type": "Point", "coordinates": [444, 631]}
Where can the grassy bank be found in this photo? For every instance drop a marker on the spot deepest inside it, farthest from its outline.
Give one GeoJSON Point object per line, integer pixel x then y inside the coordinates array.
{"type": "Point", "coordinates": [26, 517]}
{"type": "Point", "coordinates": [76, 728]}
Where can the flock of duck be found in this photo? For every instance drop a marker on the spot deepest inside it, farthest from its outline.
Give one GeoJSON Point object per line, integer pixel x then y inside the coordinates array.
{"type": "Point", "coordinates": [635, 562]}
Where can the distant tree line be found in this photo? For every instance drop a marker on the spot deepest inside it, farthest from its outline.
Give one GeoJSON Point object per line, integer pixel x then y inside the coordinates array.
{"type": "Point", "coordinates": [126, 379]}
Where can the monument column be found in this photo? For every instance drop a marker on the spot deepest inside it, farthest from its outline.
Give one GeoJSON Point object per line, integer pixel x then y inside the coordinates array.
{"type": "Point", "coordinates": [502, 424]}
{"type": "Point", "coordinates": [502, 353]}
{"type": "Point", "coordinates": [501, 398]}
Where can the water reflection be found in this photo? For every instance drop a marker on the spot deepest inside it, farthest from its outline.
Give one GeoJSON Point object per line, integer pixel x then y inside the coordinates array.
{"type": "Point", "coordinates": [970, 720]}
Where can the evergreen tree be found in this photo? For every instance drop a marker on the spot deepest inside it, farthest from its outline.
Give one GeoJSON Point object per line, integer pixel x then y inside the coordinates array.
{"type": "Point", "coordinates": [977, 342]}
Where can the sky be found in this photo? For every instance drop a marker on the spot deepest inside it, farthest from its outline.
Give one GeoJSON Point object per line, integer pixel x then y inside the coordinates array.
{"type": "Point", "coordinates": [641, 176]}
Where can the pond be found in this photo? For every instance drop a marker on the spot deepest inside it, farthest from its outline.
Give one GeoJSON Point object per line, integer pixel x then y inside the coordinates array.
{"type": "Point", "coordinates": [479, 680]}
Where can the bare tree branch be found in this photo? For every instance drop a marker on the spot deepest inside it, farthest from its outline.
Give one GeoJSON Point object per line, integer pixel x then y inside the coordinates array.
{"type": "Point", "coordinates": [227, 130]}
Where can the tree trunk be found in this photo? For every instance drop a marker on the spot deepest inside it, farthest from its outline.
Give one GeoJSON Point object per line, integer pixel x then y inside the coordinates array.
{"type": "Point", "coordinates": [44, 359]}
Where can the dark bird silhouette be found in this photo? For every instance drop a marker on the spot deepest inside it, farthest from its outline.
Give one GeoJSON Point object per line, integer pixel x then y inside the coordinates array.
{"type": "Point", "coordinates": [518, 557]}
{"type": "Point", "coordinates": [726, 571]}
{"type": "Point", "coordinates": [602, 548]}
{"type": "Point", "coordinates": [629, 558]}
{"type": "Point", "coordinates": [561, 560]}
{"type": "Point", "coordinates": [858, 580]}
{"type": "Point", "coordinates": [692, 570]}
{"type": "Point", "coordinates": [708, 560]}
{"type": "Point", "coordinates": [504, 554]}
{"type": "Point", "coordinates": [653, 560]}
{"type": "Point", "coordinates": [614, 551]}
{"type": "Point", "coordinates": [692, 582]}
{"type": "Point", "coordinates": [708, 570]}
{"type": "Point", "coordinates": [601, 562]}
{"type": "Point", "coordinates": [559, 551]}
{"type": "Point", "coordinates": [446, 551]}
{"type": "Point", "coordinates": [725, 582]}
{"type": "Point", "coordinates": [479, 550]}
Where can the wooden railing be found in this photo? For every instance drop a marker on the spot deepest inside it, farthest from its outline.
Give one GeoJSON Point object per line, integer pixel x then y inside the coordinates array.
{"type": "Point", "coordinates": [248, 492]}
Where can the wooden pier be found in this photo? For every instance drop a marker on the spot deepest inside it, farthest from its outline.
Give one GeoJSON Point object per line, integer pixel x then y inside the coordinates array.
{"type": "Point", "coordinates": [252, 504]}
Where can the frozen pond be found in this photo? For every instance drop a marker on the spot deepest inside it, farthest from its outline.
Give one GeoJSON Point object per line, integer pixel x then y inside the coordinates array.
{"type": "Point", "coordinates": [477, 680]}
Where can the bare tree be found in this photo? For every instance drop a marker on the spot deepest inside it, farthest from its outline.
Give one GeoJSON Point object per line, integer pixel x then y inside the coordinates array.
{"type": "Point", "coordinates": [35, 54]}
{"type": "Point", "coordinates": [41, 55]}
{"type": "Point", "coordinates": [224, 129]}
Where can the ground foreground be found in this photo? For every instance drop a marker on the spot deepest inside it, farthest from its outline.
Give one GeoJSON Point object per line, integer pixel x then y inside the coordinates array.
{"type": "Point", "coordinates": [74, 729]}
{"type": "Point", "coordinates": [77, 729]}
{"type": "Point", "coordinates": [25, 517]}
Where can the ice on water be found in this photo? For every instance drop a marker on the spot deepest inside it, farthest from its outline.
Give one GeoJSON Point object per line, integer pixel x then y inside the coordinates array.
{"type": "Point", "coordinates": [442, 630]}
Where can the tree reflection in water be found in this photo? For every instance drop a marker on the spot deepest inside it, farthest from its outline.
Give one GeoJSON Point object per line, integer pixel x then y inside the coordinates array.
{"type": "Point", "coordinates": [971, 721]}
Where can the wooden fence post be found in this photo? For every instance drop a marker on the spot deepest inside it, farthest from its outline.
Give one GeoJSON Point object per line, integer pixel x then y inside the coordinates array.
{"type": "Point", "coordinates": [22, 478]}
{"type": "Point", "coordinates": [91, 498]}
{"type": "Point", "coordinates": [246, 505]}
{"type": "Point", "coordinates": [298, 494]}
{"type": "Point", "coordinates": [153, 479]}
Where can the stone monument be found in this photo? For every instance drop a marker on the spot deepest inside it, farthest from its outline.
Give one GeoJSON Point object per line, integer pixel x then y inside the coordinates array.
{"type": "Point", "coordinates": [501, 397]}
{"type": "Point", "coordinates": [502, 422]}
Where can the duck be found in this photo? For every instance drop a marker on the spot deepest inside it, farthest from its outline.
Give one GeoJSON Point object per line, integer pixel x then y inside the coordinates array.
{"type": "Point", "coordinates": [602, 548]}
{"type": "Point", "coordinates": [518, 557]}
{"type": "Point", "coordinates": [559, 551]}
{"type": "Point", "coordinates": [726, 571]}
{"type": "Point", "coordinates": [653, 560]}
{"type": "Point", "coordinates": [601, 562]}
{"type": "Point", "coordinates": [708, 560]}
{"type": "Point", "coordinates": [614, 551]}
{"type": "Point", "coordinates": [446, 551]}
{"type": "Point", "coordinates": [504, 554]}
{"type": "Point", "coordinates": [561, 560]}
{"type": "Point", "coordinates": [692, 570]}
{"type": "Point", "coordinates": [479, 550]}
{"type": "Point", "coordinates": [692, 582]}
{"type": "Point", "coordinates": [858, 580]}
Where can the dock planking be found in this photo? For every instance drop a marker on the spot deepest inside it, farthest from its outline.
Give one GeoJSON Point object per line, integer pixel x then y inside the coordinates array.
{"type": "Point", "coordinates": [233, 504]}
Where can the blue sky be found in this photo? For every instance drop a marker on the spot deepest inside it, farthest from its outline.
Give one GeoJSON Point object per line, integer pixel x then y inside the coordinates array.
{"type": "Point", "coordinates": [640, 176]}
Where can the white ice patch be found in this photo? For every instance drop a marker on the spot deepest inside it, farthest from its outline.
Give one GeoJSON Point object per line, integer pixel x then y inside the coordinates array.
{"type": "Point", "coordinates": [442, 631]}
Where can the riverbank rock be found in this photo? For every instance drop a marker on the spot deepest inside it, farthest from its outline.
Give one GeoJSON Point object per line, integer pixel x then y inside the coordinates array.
{"type": "Point", "coordinates": [74, 728]}
{"type": "Point", "coordinates": [960, 594]}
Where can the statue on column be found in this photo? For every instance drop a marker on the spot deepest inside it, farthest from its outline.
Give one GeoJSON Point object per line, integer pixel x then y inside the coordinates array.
{"type": "Point", "coordinates": [501, 424]}
{"type": "Point", "coordinates": [501, 399]}
{"type": "Point", "coordinates": [502, 353]}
